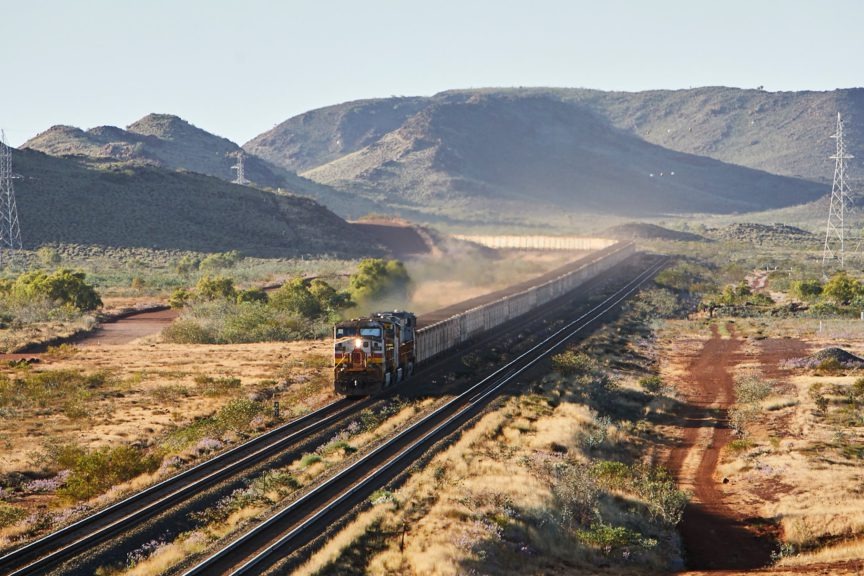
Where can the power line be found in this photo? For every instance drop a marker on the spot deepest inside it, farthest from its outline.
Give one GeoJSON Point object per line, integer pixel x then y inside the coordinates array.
{"type": "Point", "coordinates": [241, 175]}
{"type": "Point", "coordinates": [836, 233]}
{"type": "Point", "coordinates": [10, 229]}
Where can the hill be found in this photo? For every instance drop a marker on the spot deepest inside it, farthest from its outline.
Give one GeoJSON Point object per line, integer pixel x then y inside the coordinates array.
{"type": "Point", "coordinates": [786, 133]}
{"type": "Point", "coordinates": [157, 139]}
{"type": "Point", "coordinates": [481, 156]}
{"type": "Point", "coordinates": [61, 200]}
{"type": "Point", "coordinates": [325, 134]}
{"type": "Point", "coordinates": [170, 142]}
{"type": "Point", "coordinates": [646, 231]}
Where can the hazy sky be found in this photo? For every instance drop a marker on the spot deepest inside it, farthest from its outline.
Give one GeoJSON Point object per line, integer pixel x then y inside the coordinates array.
{"type": "Point", "coordinates": [238, 68]}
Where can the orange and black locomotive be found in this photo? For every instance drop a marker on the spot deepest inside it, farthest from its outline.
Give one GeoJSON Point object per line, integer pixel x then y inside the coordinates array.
{"type": "Point", "coordinates": [373, 353]}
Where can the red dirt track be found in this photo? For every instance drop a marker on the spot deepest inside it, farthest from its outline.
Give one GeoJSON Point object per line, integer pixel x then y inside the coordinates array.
{"type": "Point", "coordinates": [715, 537]}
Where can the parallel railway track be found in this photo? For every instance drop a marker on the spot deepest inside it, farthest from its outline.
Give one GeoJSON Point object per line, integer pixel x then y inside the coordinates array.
{"type": "Point", "coordinates": [42, 554]}
{"type": "Point", "coordinates": [305, 518]}
{"type": "Point", "coordinates": [55, 550]}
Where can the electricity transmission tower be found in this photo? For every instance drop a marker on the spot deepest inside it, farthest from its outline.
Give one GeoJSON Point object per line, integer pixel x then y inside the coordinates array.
{"type": "Point", "coordinates": [241, 175]}
{"type": "Point", "coordinates": [836, 234]}
{"type": "Point", "coordinates": [10, 229]}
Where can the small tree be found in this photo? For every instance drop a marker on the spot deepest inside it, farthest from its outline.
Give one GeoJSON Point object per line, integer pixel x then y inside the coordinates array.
{"type": "Point", "coordinates": [376, 278]}
{"type": "Point", "coordinates": [841, 289]}
{"type": "Point", "coordinates": [62, 287]}
{"type": "Point", "coordinates": [294, 296]}
{"type": "Point", "coordinates": [215, 288]}
{"type": "Point", "coordinates": [806, 289]}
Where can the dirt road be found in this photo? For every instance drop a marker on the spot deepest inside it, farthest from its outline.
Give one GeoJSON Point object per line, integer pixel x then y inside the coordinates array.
{"type": "Point", "coordinates": [129, 328]}
{"type": "Point", "coordinates": [715, 536]}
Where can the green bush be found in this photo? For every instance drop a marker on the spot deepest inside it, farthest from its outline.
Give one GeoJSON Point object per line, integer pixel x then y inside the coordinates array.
{"type": "Point", "coordinates": [841, 289]}
{"type": "Point", "coordinates": [179, 298]}
{"type": "Point", "coordinates": [10, 514]}
{"type": "Point", "coordinates": [92, 472]}
{"type": "Point", "coordinates": [750, 388]}
{"type": "Point", "coordinates": [376, 279]}
{"type": "Point", "coordinates": [220, 260]}
{"type": "Point", "coordinates": [62, 287]}
{"type": "Point", "coordinates": [610, 539]}
{"type": "Point", "coordinates": [238, 414]}
{"type": "Point", "coordinates": [210, 386]}
{"type": "Point", "coordinates": [48, 256]}
{"type": "Point", "coordinates": [215, 288]}
{"type": "Point", "coordinates": [571, 363]}
{"type": "Point", "coordinates": [295, 297]}
{"type": "Point", "coordinates": [188, 331]}
{"type": "Point", "coordinates": [806, 289]}
{"type": "Point", "coordinates": [252, 295]}
{"type": "Point", "coordinates": [652, 384]}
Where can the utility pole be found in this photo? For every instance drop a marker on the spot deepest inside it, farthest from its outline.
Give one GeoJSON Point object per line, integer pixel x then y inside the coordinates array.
{"type": "Point", "coordinates": [836, 233]}
{"type": "Point", "coordinates": [10, 229]}
{"type": "Point", "coordinates": [241, 175]}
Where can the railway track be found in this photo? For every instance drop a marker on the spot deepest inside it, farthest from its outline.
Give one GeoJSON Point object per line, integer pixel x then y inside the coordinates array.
{"type": "Point", "coordinates": [53, 552]}
{"type": "Point", "coordinates": [40, 555]}
{"type": "Point", "coordinates": [308, 516]}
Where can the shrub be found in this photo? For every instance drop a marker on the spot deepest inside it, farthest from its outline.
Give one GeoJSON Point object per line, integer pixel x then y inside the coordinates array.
{"type": "Point", "coordinates": [806, 289]}
{"type": "Point", "coordinates": [576, 493]}
{"type": "Point", "coordinates": [215, 288]}
{"type": "Point", "coordinates": [294, 296]}
{"type": "Point", "coordinates": [376, 279]}
{"type": "Point", "coordinates": [10, 514]}
{"type": "Point", "coordinates": [252, 295]}
{"type": "Point", "coordinates": [652, 384]}
{"type": "Point", "coordinates": [48, 256]}
{"type": "Point", "coordinates": [237, 414]}
{"type": "Point", "coordinates": [611, 539]}
{"type": "Point", "coordinates": [210, 386]}
{"type": "Point", "coordinates": [94, 472]}
{"type": "Point", "coordinates": [187, 264]}
{"type": "Point", "coordinates": [62, 287]}
{"type": "Point", "coordinates": [219, 261]}
{"type": "Point", "coordinates": [750, 388]}
{"type": "Point", "coordinates": [841, 289]}
{"type": "Point", "coordinates": [570, 362]}
{"type": "Point", "coordinates": [187, 331]}
{"type": "Point", "coordinates": [309, 459]}
{"type": "Point", "coordinates": [179, 298]}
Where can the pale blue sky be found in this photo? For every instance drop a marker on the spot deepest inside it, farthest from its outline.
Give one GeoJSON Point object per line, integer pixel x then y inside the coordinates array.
{"type": "Point", "coordinates": [238, 68]}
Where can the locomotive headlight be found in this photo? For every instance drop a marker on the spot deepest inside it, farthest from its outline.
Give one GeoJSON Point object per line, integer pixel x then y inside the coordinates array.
{"type": "Point", "coordinates": [358, 343]}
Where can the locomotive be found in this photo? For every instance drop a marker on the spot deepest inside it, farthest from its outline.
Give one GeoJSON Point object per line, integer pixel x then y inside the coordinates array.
{"type": "Point", "coordinates": [374, 352]}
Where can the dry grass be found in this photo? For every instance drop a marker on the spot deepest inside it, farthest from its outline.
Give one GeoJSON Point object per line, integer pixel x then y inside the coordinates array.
{"type": "Point", "coordinates": [793, 467]}
{"type": "Point", "coordinates": [848, 550]}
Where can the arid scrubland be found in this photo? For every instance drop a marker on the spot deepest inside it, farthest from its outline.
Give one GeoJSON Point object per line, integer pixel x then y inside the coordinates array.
{"type": "Point", "coordinates": [550, 478]}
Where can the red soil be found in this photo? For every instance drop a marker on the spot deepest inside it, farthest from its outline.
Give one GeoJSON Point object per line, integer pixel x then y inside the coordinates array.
{"type": "Point", "coordinates": [715, 536]}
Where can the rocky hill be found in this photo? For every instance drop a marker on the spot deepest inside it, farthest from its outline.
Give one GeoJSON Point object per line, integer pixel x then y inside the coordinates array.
{"type": "Point", "coordinates": [170, 142]}
{"type": "Point", "coordinates": [160, 140]}
{"type": "Point", "coordinates": [484, 155]}
{"type": "Point", "coordinates": [786, 133]}
{"type": "Point", "coordinates": [61, 200]}
{"type": "Point", "coordinates": [325, 134]}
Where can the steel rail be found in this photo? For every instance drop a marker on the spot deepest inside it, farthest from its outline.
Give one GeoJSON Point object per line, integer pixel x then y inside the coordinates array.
{"type": "Point", "coordinates": [296, 514]}
{"type": "Point", "coordinates": [52, 549]}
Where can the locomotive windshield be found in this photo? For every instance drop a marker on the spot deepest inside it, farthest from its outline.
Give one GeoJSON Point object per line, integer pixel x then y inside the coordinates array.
{"type": "Point", "coordinates": [344, 332]}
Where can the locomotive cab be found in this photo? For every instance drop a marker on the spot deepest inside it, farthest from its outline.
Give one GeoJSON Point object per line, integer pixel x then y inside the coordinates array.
{"type": "Point", "coordinates": [371, 354]}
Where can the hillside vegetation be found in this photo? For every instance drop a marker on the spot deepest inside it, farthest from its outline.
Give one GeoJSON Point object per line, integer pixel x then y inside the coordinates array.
{"type": "Point", "coordinates": [63, 201]}
{"type": "Point", "coordinates": [482, 157]}
{"type": "Point", "coordinates": [170, 142]}
{"type": "Point", "coordinates": [786, 133]}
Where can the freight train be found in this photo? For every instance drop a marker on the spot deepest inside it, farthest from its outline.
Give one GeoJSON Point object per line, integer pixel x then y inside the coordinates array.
{"type": "Point", "coordinates": [376, 352]}
{"type": "Point", "coordinates": [373, 353]}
